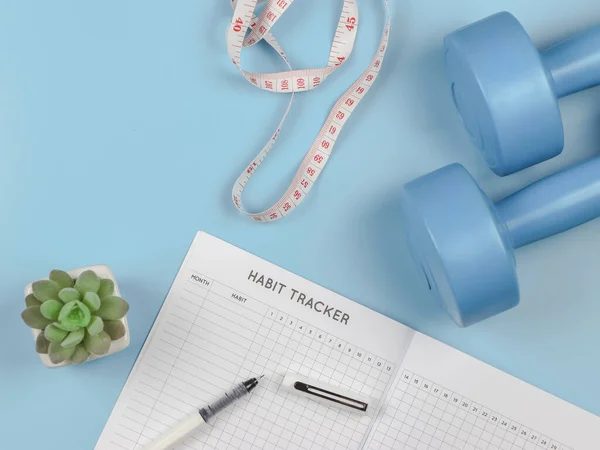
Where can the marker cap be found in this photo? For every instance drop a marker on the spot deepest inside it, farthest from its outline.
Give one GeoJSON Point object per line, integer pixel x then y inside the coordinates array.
{"type": "Point", "coordinates": [325, 393]}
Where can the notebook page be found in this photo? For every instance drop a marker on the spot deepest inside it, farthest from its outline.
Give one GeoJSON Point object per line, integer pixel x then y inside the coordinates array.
{"type": "Point", "coordinates": [445, 399]}
{"type": "Point", "coordinates": [229, 316]}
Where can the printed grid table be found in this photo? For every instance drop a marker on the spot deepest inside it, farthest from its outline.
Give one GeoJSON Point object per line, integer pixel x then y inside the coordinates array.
{"type": "Point", "coordinates": [422, 415]}
{"type": "Point", "coordinates": [214, 337]}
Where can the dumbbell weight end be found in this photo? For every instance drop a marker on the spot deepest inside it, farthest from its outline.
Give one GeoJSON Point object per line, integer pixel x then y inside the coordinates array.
{"type": "Point", "coordinates": [463, 245]}
{"type": "Point", "coordinates": [506, 91]}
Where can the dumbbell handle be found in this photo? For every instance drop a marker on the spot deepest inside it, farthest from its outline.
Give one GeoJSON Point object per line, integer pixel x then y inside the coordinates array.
{"type": "Point", "coordinates": [574, 64]}
{"type": "Point", "coordinates": [552, 205]}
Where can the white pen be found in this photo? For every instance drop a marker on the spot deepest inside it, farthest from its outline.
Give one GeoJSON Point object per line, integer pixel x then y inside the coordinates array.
{"type": "Point", "coordinates": [184, 429]}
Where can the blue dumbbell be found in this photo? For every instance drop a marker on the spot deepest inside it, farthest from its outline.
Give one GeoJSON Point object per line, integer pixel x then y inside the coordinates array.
{"type": "Point", "coordinates": [464, 244]}
{"type": "Point", "coordinates": [507, 92]}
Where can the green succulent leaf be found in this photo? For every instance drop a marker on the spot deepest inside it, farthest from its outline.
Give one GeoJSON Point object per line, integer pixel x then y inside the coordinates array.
{"type": "Point", "coordinates": [74, 338]}
{"type": "Point", "coordinates": [41, 344]}
{"type": "Point", "coordinates": [69, 294]}
{"type": "Point", "coordinates": [80, 355]}
{"type": "Point", "coordinates": [55, 334]}
{"type": "Point", "coordinates": [107, 287]}
{"type": "Point", "coordinates": [88, 281]}
{"type": "Point", "coordinates": [97, 345]}
{"type": "Point", "coordinates": [45, 290]}
{"type": "Point", "coordinates": [114, 328]}
{"type": "Point", "coordinates": [51, 309]}
{"type": "Point", "coordinates": [33, 318]}
{"type": "Point", "coordinates": [113, 308]}
{"type": "Point", "coordinates": [66, 326]}
{"type": "Point", "coordinates": [62, 278]}
{"type": "Point", "coordinates": [96, 326]}
{"type": "Point", "coordinates": [58, 353]}
{"type": "Point", "coordinates": [30, 300]}
{"type": "Point", "coordinates": [92, 301]}
{"type": "Point", "coordinates": [75, 313]}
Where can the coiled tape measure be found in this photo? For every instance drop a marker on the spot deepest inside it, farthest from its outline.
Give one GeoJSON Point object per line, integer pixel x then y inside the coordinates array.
{"type": "Point", "coordinates": [293, 81]}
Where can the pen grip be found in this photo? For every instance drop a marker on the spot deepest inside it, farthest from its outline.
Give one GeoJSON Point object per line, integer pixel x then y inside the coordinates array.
{"type": "Point", "coordinates": [177, 434]}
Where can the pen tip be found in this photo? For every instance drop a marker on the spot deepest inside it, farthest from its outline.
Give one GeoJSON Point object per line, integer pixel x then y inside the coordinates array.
{"type": "Point", "coordinates": [261, 376]}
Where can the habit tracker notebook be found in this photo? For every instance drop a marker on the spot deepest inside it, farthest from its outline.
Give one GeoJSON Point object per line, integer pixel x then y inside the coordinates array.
{"type": "Point", "coordinates": [230, 315]}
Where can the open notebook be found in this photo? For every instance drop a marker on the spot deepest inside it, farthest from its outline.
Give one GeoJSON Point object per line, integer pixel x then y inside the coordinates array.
{"type": "Point", "coordinates": [230, 315]}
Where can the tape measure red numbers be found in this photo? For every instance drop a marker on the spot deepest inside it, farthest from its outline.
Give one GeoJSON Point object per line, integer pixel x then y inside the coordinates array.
{"type": "Point", "coordinates": [293, 81]}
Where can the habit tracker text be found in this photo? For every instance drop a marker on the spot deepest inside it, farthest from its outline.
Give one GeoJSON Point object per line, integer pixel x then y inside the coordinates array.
{"type": "Point", "coordinates": [299, 297]}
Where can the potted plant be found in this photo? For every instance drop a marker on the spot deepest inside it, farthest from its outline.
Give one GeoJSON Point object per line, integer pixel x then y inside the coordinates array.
{"type": "Point", "coordinates": [76, 316]}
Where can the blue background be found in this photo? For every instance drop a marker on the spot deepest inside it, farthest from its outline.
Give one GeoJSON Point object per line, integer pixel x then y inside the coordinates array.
{"type": "Point", "coordinates": [123, 125]}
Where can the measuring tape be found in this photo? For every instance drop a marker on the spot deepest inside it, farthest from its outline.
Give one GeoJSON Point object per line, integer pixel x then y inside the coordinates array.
{"type": "Point", "coordinates": [292, 81]}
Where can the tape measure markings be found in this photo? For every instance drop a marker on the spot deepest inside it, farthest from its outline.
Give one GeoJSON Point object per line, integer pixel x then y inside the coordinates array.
{"type": "Point", "coordinates": [292, 81]}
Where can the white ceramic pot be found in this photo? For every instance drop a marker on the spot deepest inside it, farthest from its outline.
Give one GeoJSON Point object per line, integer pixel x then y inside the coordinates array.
{"type": "Point", "coordinates": [102, 271]}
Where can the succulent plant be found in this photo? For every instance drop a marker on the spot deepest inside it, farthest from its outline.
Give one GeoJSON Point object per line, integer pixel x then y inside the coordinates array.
{"type": "Point", "coordinates": [77, 317]}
